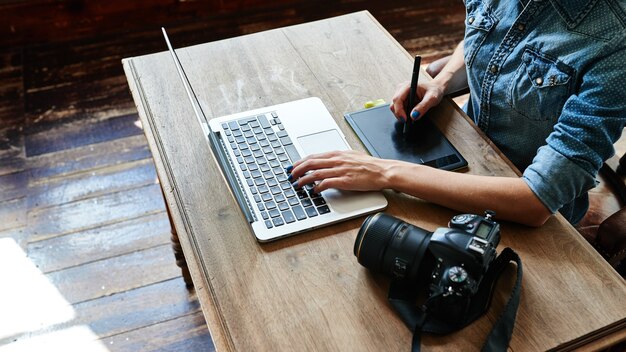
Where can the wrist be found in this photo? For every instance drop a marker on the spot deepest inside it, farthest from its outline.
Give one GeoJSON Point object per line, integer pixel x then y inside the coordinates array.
{"type": "Point", "coordinates": [443, 80]}
{"type": "Point", "coordinates": [394, 174]}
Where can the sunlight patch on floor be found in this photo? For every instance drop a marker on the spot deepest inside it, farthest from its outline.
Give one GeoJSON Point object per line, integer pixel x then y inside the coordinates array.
{"type": "Point", "coordinates": [74, 339]}
{"type": "Point", "coordinates": [28, 301]}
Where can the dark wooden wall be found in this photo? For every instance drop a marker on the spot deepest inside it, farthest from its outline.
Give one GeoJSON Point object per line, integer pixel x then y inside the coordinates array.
{"type": "Point", "coordinates": [78, 190]}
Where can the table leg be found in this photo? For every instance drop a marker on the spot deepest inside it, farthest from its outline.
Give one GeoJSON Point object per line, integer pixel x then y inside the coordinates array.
{"type": "Point", "coordinates": [178, 249]}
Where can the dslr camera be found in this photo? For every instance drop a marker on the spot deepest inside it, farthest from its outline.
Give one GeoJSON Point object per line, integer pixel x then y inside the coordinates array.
{"type": "Point", "coordinates": [448, 263]}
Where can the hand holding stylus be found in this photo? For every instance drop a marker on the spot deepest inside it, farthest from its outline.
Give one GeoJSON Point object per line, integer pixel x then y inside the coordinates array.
{"type": "Point", "coordinates": [411, 106]}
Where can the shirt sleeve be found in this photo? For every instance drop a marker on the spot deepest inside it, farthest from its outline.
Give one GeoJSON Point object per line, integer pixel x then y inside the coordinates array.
{"type": "Point", "coordinates": [591, 122]}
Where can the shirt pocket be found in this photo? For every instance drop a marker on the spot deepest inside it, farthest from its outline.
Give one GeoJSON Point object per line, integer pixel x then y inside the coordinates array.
{"type": "Point", "coordinates": [479, 22]}
{"type": "Point", "coordinates": [540, 87]}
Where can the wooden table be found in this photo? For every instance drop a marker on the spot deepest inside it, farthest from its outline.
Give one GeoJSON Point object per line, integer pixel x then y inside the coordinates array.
{"type": "Point", "coordinates": [308, 292]}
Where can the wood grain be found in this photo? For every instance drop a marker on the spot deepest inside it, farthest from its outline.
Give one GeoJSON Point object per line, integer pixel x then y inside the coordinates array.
{"type": "Point", "coordinates": [12, 159]}
{"type": "Point", "coordinates": [187, 333]}
{"type": "Point", "coordinates": [91, 157]}
{"type": "Point", "coordinates": [115, 275]}
{"type": "Point", "coordinates": [104, 210]}
{"type": "Point", "coordinates": [11, 113]}
{"type": "Point", "coordinates": [137, 308]}
{"type": "Point", "coordinates": [117, 178]}
{"type": "Point", "coordinates": [11, 89]}
{"type": "Point", "coordinates": [308, 292]}
{"type": "Point", "coordinates": [81, 133]}
{"type": "Point", "coordinates": [13, 185]}
{"type": "Point", "coordinates": [100, 243]}
{"type": "Point", "coordinates": [13, 214]}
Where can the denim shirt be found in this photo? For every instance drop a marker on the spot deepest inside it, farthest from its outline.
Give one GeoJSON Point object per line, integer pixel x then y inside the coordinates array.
{"type": "Point", "coordinates": [548, 86]}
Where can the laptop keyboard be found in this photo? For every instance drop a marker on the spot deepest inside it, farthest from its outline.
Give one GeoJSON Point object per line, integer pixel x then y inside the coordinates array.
{"type": "Point", "coordinates": [263, 151]}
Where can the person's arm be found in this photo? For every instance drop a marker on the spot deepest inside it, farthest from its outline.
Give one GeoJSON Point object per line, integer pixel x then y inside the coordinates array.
{"type": "Point", "coordinates": [510, 198]}
{"type": "Point", "coordinates": [451, 78]}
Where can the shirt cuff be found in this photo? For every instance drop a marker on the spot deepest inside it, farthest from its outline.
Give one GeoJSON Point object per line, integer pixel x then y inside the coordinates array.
{"type": "Point", "coordinates": [555, 179]}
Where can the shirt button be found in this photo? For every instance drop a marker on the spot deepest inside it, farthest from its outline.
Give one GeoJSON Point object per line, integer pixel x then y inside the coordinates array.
{"type": "Point", "coordinates": [493, 69]}
{"type": "Point", "coordinates": [539, 81]}
{"type": "Point", "coordinates": [521, 27]}
{"type": "Point", "coordinates": [470, 20]}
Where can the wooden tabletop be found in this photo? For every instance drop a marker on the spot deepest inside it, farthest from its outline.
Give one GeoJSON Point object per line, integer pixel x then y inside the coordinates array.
{"type": "Point", "coordinates": [308, 292]}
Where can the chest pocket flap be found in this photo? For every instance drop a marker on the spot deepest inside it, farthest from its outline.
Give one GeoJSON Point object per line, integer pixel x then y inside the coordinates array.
{"type": "Point", "coordinates": [545, 72]}
{"type": "Point", "coordinates": [480, 18]}
{"type": "Point", "coordinates": [540, 87]}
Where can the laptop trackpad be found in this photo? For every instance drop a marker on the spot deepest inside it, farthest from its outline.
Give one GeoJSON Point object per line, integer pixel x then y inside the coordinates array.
{"type": "Point", "coordinates": [322, 142]}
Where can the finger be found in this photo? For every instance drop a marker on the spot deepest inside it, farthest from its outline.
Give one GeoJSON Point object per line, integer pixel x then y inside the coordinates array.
{"type": "Point", "coordinates": [318, 175]}
{"type": "Point", "coordinates": [429, 101]}
{"type": "Point", "coordinates": [326, 155]}
{"type": "Point", "coordinates": [335, 182]}
{"type": "Point", "coordinates": [398, 103]}
{"type": "Point", "coordinates": [311, 164]}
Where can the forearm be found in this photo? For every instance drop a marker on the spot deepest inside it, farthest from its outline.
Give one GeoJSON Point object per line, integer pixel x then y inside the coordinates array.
{"type": "Point", "coordinates": [510, 198]}
{"type": "Point", "coordinates": [453, 76]}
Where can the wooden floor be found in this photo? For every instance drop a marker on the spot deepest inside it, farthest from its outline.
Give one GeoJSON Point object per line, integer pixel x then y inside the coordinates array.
{"type": "Point", "coordinates": [85, 257]}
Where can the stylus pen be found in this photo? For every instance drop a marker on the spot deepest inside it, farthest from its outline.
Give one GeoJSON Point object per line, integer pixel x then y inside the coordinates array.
{"type": "Point", "coordinates": [412, 93]}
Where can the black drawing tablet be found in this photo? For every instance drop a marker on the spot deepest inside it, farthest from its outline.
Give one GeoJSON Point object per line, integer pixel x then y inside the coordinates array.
{"type": "Point", "coordinates": [382, 135]}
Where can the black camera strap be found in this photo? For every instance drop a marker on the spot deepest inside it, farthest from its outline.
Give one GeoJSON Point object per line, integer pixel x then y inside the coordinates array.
{"type": "Point", "coordinates": [419, 319]}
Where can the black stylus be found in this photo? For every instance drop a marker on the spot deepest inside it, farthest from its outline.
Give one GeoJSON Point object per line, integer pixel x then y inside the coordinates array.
{"type": "Point", "coordinates": [412, 93]}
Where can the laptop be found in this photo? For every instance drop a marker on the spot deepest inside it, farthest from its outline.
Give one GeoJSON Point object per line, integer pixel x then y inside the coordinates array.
{"type": "Point", "coordinates": [254, 147]}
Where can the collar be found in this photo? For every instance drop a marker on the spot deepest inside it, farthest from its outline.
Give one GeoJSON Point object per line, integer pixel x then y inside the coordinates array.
{"type": "Point", "coordinates": [573, 11]}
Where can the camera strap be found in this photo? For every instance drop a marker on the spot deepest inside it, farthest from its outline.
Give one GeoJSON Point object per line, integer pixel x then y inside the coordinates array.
{"type": "Point", "coordinates": [421, 319]}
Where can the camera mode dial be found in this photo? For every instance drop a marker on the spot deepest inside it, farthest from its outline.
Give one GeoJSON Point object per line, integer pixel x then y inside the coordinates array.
{"type": "Point", "coordinates": [457, 281]}
{"type": "Point", "coordinates": [457, 275]}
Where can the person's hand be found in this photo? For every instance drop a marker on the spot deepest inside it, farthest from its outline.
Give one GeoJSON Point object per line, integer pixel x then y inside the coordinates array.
{"type": "Point", "coordinates": [429, 94]}
{"type": "Point", "coordinates": [347, 170]}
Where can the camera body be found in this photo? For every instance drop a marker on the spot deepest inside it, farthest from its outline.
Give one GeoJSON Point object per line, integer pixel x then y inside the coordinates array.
{"type": "Point", "coordinates": [449, 262]}
{"type": "Point", "coordinates": [463, 253]}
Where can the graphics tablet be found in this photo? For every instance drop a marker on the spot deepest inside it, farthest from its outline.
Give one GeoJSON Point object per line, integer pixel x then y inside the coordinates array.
{"type": "Point", "coordinates": [382, 135]}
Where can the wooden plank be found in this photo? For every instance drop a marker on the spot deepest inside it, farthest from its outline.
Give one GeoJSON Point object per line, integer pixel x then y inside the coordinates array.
{"type": "Point", "coordinates": [70, 102]}
{"type": "Point", "coordinates": [100, 243]}
{"type": "Point", "coordinates": [12, 214]}
{"type": "Point", "coordinates": [114, 275]}
{"type": "Point", "coordinates": [137, 308]}
{"type": "Point", "coordinates": [92, 157]}
{"type": "Point", "coordinates": [13, 185]}
{"type": "Point", "coordinates": [116, 178]}
{"type": "Point", "coordinates": [11, 139]}
{"type": "Point", "coordinates": [124, 312]}
{"type": "Point", "coordinates": [11, 89]}
{"type": "Point", "coordinates": [95, 58]}
{"type": "Point", "coordinates": [102, 210]}
{"type": "Point", "coordinates": [12, 160]}
{"type": "Point", "coordinates": [81, 133]}
{"type": "Point", "coordinates": [187, 333]}
{"type": "Point", "coordinates": [11, 111]}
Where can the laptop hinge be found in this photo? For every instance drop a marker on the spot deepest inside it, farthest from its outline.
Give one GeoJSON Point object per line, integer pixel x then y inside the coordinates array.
{"type": "Point", "coordinates": [225, 163]}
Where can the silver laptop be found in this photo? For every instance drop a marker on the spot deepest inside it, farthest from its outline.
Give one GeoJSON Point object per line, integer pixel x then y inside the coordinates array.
{"type": "Point", "coordinates": [254, 147]}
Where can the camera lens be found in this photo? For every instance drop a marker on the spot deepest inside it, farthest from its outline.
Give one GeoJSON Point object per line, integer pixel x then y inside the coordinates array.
{"type": "Point", "coordinates": [391, 246]}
